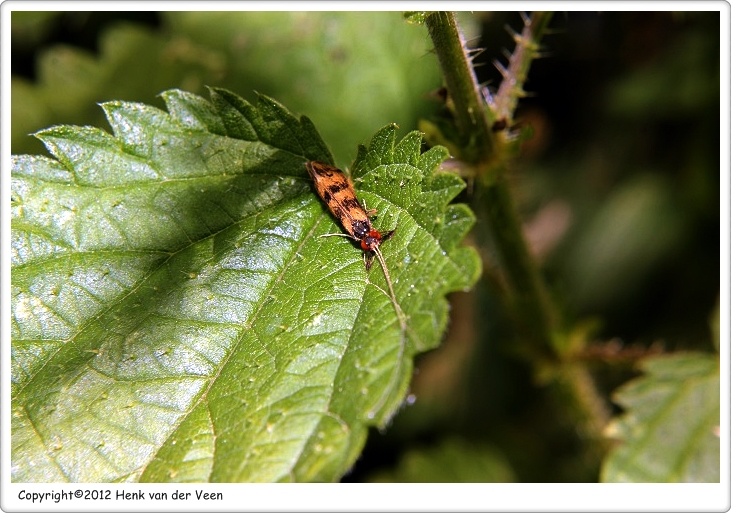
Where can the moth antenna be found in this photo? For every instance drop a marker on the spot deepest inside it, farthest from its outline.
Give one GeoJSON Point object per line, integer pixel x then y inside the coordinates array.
{"type": "Point", "coordinates": [402, 323]}
{"type": "Point", "coordinates": [399, 312]}
{"type": "Point", "coordinates": [346, 235]}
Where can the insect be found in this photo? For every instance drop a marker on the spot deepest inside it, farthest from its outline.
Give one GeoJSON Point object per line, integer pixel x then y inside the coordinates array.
{"type": "Point", "coordinates": [336, 189]}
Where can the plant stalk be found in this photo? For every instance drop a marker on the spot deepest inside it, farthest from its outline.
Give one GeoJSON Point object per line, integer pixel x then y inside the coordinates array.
{"type": "Point", "coordinates": [487, 154]}
{"type": "Point", "coordinates": [483, 153]}
{"type": "Point", "coordinates": [534, 317]}
{"type": "Point", "coordinates": [462, 88]}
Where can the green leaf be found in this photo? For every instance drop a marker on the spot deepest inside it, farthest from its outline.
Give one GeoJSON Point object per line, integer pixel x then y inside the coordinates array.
{"type": "Point", "coordinates": [311, 61]}
{"type": "Point", "coordinates": [132, 62]}
{"type": "Point", "coordinates": [619, 245]}
{"type": "Point", "coordinates": [415, 17]}
{"type": "Point", "coordinates": [176, 314]}
{"type": "Point", "coordinates": [314, 62]}
{"type": "Point", "coordinates": [670, 430]}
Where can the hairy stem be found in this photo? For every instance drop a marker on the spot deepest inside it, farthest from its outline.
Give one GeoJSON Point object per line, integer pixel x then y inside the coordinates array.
{"type": "Point", "coordinates": [477, 139]}
{"type": "Point", "coordinates": [533, 313]}
{"type": "Point", "coordinates": [526, 50]}
{"type": "Point", "coordinates": [483, 152]}
{"type": "Point", "coordinates": [487, 154]}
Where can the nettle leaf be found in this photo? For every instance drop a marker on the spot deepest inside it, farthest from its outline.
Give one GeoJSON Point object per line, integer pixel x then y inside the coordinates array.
{"type": "Point", "coordinates": [320, 53]}
{"type": "Point", "coordinates": [177, 316]}
{"type": "Point", "coordinates": [670, 430]}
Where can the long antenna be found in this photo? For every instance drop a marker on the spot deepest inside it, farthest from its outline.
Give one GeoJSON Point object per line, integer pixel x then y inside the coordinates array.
{"type": "Point", "coordinates": [404, 328]}
{"type": "Point", "coordinates": [397, 307]}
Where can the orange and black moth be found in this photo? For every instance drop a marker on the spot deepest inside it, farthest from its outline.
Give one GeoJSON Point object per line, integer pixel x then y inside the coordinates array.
{"type": "Point", "coordinates": [336, 190]}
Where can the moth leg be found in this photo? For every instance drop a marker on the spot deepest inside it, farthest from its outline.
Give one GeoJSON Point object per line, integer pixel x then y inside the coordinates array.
{"type": "Point", "coordinates": [371, 212]}
{"type": "Point", "coordinates": [387, 235]}
{"type": "Point", "coordinates": [368, 260]}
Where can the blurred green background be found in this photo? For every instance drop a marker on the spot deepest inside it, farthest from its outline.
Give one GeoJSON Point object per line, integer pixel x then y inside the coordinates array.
{"type": "Point", "coordinates": [618, 186]}
{"type": "Point", "coordinates": [329, 66]}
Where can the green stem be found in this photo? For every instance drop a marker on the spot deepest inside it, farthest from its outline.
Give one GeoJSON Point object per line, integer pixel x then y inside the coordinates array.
{"type": "Point", "coordinates": [519, 62]}
{"type": "Point", "coordinates": [534, 316]}
{"type": "Point", "coordinates": [462, 88]}
{"type": "Point", "coordinates": [483, 152]}
{"type": "Point", "coordinates": [486, 153]}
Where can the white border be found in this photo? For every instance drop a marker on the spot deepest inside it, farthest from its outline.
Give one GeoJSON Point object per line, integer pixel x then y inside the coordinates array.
{"type": "Point", "coordinates": [364, 497]}
{"type": "Point", "coordinates": [359, 5]}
